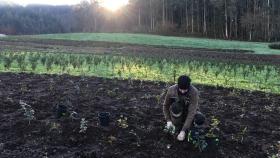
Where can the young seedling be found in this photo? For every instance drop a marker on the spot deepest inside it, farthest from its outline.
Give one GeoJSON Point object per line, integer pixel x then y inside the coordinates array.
{"type": "Point", "coordinates": [77, 89]}
{"type": "Point", "coordinates": [137, 137]}
{"type": "Point", "coordinates": [147, 96]}
{"type": "Point", "coordinates": [74, 115]}
{"type": "Point", "coordinates": [119, 73]}
{"type": "Point", "coordinates": [111, 93]}
{"type": "Point", "coordinates": [171, 131]}
{"type": "Point", "coordinates": [83, 125]}
{"type": "Point", "coordinates": [43, 59]}
{"type": "Point", "coordinates": [242, 134]}
{"type": "Point", "coordinates": [55, 127]}
{"type": "Point", "coordinates": [122, 122]}
{"type": "Point", "coordinates": [198, 140]}
{"type": "Point", "coordinates": [33, 60]}
{"type": "Point", "coordinates": [214, 129]}
{"type": "Point", "coordinates": [28, 111]}
{"type": "Point", "coordinates": [51, 86]}
{"type": "Point", "coordinates": [7, 62]}
{"type": "Point", "coordinates": [130, 82]}
{"type": "Point", "coordinates": [274, 156]}
{"type": "Point", "coordinates": [49, 63]}
{"type": "Point", "coordinates": [21, 62]}
{"type": "Point", "coordinates": [111, 139]}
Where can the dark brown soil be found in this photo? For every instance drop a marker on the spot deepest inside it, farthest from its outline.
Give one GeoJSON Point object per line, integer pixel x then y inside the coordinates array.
{"type": "Point", "coordinates": [48, 136]}
{"type": "Point", "coordinates": [68, 46]}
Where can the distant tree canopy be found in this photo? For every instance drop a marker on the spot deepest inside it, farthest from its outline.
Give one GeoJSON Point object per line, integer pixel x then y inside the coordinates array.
{"type": "Point", "coordinates": [256, 20]}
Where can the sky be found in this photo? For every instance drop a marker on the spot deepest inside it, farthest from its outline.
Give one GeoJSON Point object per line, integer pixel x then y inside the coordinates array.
{"type": "Point", "coordinates": [51, 2]}
{"type": "Point", "coordinates": [110, 4]}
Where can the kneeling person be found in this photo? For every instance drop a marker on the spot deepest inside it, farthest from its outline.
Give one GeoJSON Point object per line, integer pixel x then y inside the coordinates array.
{"type": "Point", "coordinates": [180, 107]}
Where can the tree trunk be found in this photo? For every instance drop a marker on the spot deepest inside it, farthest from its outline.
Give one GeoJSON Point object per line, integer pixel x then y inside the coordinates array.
{"type": "Point", "coordinates": [192, 16]}
{"type": "Point", "coordinates": [250, 35]}
{"type": "Point", "coordinates": [151, 16]}
{"type": "Point", "coordinates": [163, 13]}
{"type": "Point", "coordinates": [268, 20]}
{"type": "Point", "coordinates": [139, 16]}
{"type": "Point", "coordinates": [226, 20]}
{"type": "Point", "coordinates": [204, 19]}
{"type": "Point", "coordinates": [214, 22]}
{"type": "Point", "coordinates": [198, 17]}
{"type": "Point", "coordinates": [236, 26]}
{"type": "Point", "coordinates": [187, 17]}
{"type": "Point", "coordinates": [254, 20]}
{"type": "Point", "coordinates": [172, 16]}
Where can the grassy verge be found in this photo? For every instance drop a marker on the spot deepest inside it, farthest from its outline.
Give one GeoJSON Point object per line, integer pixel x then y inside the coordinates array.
{"type": "Point", "coordinates": [275, 45]}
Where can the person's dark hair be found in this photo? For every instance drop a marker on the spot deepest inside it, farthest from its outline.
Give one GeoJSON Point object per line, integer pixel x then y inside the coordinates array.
{"type": "Point", "coordinates": [184, 82]}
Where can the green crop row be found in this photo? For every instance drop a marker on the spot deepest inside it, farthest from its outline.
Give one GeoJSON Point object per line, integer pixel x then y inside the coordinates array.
{"type": "Point", "coordinates": [239, 75]}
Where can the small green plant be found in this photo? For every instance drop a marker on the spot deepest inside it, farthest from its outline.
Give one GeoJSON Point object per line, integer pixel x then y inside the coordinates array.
{"type": "Point", "coordinates": [161, 96]}
{"type": "Point", "coordinates": [130, 82]}
{"type": "Point", "coordinates": [54, 127]}
{"type": "Point", "coordinates": [122, 122]}
{"type": "Point", "coordinates": [74, 115]}
{"type": "Point", "coordinates": [63, 65]}
{"type": "Point", "coordinates": [111, 139]}
{"type": "Point", "coordinates": [43, 59]}
{"type": "Point", "coordinates": [274, 156]}
{"type": "Point", "coordinates": [197, 138]}
{"type": "Point", "coordinates": [7, 62]}
{"type": "Point", "coordinates": [278, 151]}
{"type": "Point", "coordinates": [214, 129]}
{"type": "Point", "coordinates": [111, 93]}
{"type": "Point", "coordinates": [147, 96]}
{"type": "Point", "coordinates": [51, 85]}
{"type": "Point", "coordinates": [33, 59]}
{"type": "Point", "coordinates": [28, 111]}
{"type": "Point", "coordinates": [77, 88]}
{"type": "Point", "coordinates": [83, 125]}
{"type": "Point", "coordinates": [137, 137]}
{"type": "Point", "coordinates": [49, 63]}
{"type": "Point", "coordinates": [21, 62]}
{"type": "Point", "coordinates": [23, 88]}
{"type": "Point", "coordinates": [240, 136]}
{"type": "Point", "coordinates": [119, 73]}
{"type": "Point", "coordinates": [169, 130]}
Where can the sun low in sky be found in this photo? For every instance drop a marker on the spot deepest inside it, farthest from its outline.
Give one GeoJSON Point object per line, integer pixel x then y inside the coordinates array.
{"type": "Point", "coordinates": [112, 5]}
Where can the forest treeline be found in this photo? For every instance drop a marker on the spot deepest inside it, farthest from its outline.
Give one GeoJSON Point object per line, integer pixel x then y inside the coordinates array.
{"type": "Point", "coordinates": [252, 20]}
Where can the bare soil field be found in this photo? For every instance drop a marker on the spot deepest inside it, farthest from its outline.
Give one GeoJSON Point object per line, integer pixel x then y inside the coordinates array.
{"type": "Point", "coordinates": [249, 124]}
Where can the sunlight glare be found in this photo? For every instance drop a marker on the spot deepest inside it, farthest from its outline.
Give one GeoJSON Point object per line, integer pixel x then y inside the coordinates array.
{"type": "Point", "coordinates": [113, 5]}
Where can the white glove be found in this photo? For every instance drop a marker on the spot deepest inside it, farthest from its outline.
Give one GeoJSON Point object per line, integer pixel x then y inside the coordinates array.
{"type": "Point", "coordinates": [170, 125]}
{"type": "Point", "coordinates": [181, 136]}
{"type": "Point", "coordinates": [170, 128]}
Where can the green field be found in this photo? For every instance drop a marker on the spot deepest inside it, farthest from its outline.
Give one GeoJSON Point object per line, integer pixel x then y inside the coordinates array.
{"type": "Point", "coordinates": [169, 41]}
{"type": "Point", "coordinates": [155, 67]}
